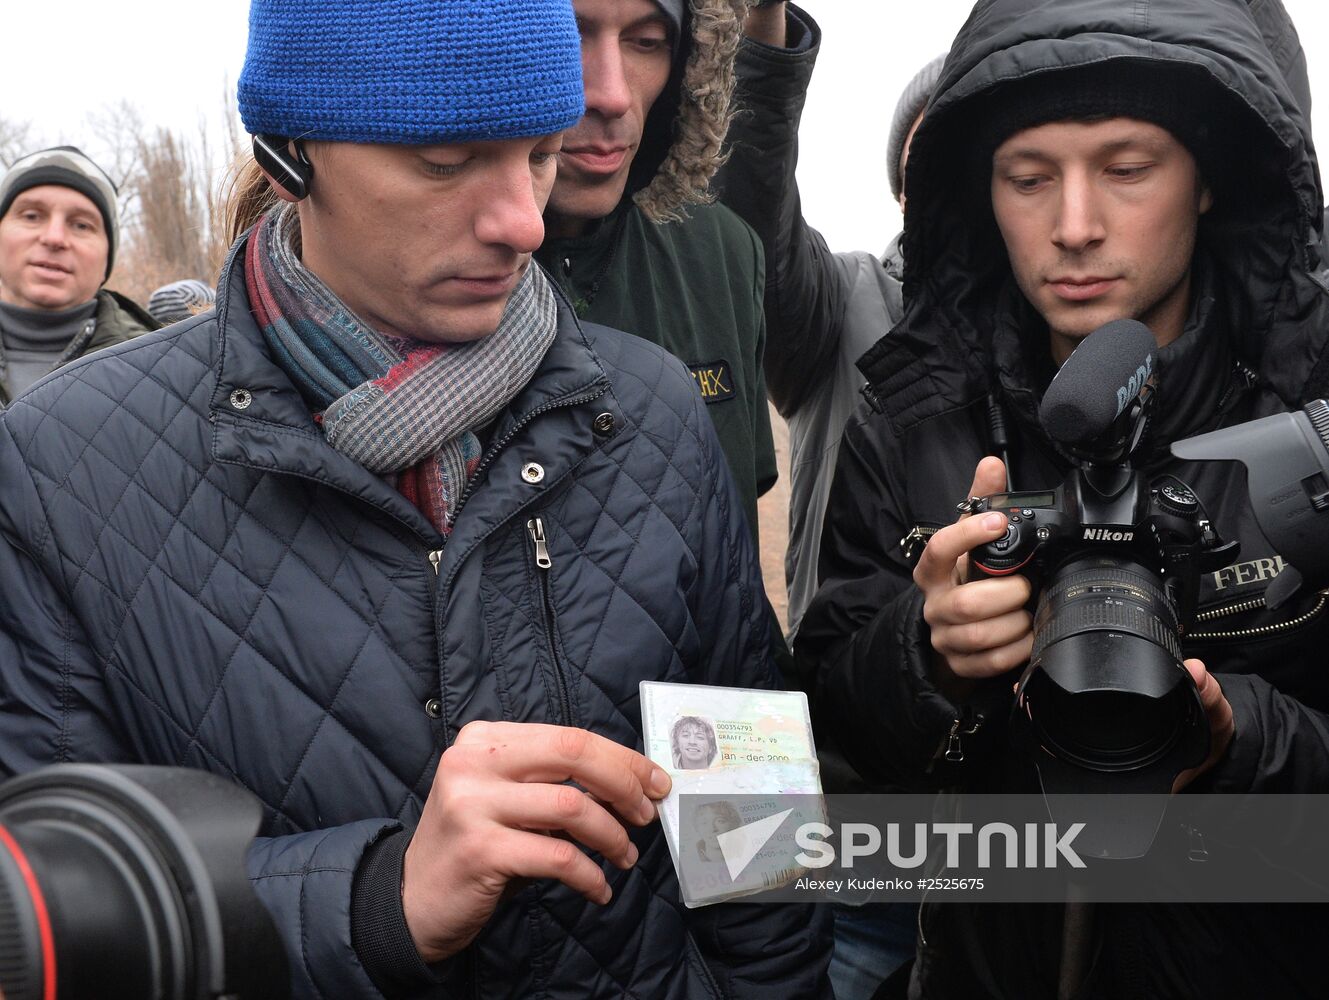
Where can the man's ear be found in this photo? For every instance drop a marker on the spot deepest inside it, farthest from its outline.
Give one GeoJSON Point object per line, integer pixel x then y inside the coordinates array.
{"type": "Point", "coordinates": [1206, 198]}
{"type": "Point", "coordinates": [285, 165]}
{"type": "Point", "coordinates": [277, 189]}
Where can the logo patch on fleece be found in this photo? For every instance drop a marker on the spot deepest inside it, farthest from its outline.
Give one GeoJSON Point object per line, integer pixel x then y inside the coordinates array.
{"type": "Point", "coordinates": [714, 380]}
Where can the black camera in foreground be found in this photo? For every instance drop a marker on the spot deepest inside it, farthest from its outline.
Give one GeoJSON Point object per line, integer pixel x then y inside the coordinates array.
{"type": "Point", "coordinates": [130, 882]}
{"type": "Point", "coordinates": [1105, 703]}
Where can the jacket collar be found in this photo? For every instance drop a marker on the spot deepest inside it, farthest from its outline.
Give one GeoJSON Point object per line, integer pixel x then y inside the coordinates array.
{"type": "Point", "coordinates": [260, 420]}
{"type": "Point", "coordinates": [118, 319]}
{"type": "Point", "coordinates": [919, 371]}
{"type": "Point", "coordinates": [1194, 372]}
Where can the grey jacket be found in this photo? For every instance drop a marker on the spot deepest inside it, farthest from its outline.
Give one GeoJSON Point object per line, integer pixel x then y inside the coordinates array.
{"type": "Point", "coordinates": [823, 309]}
{"type": "Point", "coordinates": [116, 320]}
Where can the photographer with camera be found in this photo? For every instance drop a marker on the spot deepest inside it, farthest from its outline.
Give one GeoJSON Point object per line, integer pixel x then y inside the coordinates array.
{"type": "Point", "coordinates": [1079, 164]}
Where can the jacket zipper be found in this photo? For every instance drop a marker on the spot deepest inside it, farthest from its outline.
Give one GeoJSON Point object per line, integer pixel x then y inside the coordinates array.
{"type": "Point", "coordinates": [704, 970]}
{"type": "Point", "coordinates": [487, 460]}
{"type": "Point", "coordinates": [435, 557]}
{"type": "Point", "coordinates": [1258, 631]}
{"type": "Point", "coordinates": [535, 527]}
{"type": "Point", "coordinates": [1243, 378]}
{"type": "Point", "coordinates": [951, 748]}
{"type": "Point", "coordinates": [873, 398]}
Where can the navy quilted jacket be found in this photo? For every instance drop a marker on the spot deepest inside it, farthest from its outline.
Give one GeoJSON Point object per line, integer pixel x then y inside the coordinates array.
{"type": "Point", "coordinates": [192, 576]}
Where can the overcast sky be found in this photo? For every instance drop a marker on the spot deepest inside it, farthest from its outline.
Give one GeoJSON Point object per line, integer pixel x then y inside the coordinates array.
{"type": "Point", "coordinates": [173, 59]}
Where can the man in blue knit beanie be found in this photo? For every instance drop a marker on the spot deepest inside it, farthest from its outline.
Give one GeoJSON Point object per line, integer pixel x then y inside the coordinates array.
{"type": "Point", "coordinates": [389, 539]}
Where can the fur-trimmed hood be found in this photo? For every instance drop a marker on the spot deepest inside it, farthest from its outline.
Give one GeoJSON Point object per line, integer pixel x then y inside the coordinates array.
{"type": "Point", "coordinates": [684, 135]}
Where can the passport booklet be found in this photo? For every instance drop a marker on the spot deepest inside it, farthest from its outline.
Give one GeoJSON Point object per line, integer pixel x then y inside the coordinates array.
{"type": "Point", "coordinates": [739, 758]}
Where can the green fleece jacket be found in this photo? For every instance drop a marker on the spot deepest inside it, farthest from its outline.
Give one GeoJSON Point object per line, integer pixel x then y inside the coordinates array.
{"type": "Point", "coordinates": [695, 288]}
{"type": "Point", "coordinates": [117, 319]}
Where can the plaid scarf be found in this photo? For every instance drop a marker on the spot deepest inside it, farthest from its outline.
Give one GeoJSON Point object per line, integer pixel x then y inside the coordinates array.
{"type": "Point", "coordinates": [402, 408]}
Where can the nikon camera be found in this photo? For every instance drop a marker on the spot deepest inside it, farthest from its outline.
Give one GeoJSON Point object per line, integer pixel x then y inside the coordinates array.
{"type": "Point", "coordinates": [1105, 703]}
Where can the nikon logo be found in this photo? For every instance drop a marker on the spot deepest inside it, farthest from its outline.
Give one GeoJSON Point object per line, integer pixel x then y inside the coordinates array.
{"type": "Point", "coordinates": [1134, 384]}
{"type": "Point", "coordinates": [1104, 535]}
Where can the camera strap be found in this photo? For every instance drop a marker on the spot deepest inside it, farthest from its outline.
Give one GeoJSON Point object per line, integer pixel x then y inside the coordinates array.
{"type": "Point", "coordinates": [998, 438]}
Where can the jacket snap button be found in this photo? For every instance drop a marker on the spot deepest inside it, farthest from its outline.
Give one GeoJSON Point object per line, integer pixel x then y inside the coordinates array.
{"type": "Point", "coordinates": [533, 472]}
{"type": "Point", "coordinates": [241, 398]}
{"type": "Point", "coordinates": [433, 708]}
{"type": "Point", "coordinates": [604, 423]}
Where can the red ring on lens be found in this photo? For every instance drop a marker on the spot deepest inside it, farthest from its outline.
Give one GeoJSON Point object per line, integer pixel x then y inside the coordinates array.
{"type": "Point", "coordinates": [39, 908]}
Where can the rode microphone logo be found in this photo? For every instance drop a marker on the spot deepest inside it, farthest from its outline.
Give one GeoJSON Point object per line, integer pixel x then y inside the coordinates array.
{"type": "Point", "coordinates": [1107, 535]}
{"type": "Point", "coordinates": [1134, 384]}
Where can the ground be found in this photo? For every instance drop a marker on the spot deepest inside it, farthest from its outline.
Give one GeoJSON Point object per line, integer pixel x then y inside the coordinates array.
{"type": "Point", "coordinates": [773, 515]}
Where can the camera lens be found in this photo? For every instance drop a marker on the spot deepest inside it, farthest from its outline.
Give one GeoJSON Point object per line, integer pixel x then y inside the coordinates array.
{"type": "Point", "coordinates": [130, 882]}
{"type": "Point", "coordinates": [1110, 725]}
{"type": "Point", "coordinates": [1106, 689]}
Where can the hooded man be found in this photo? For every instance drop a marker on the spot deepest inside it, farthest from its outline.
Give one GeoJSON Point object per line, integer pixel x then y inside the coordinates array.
{"type": "Point", "coordinates": [1082, 162]}
{"type": "Point", "coordinates": [391, 540]}
{"type": "Point", "coordinates": [825, 309]}
{"type": "Point", "coordinates": [58, 233]}
{"type": "Point", "coordinates": [632, 236]}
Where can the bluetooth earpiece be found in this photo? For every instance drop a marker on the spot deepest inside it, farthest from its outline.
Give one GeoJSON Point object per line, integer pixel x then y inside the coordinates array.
{"type": "Point", "coordinates": [292, 172]}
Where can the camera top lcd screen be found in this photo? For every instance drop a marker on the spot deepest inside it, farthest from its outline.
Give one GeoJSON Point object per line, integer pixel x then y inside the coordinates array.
{"type": "Point", "coordinates": [1002, 501]}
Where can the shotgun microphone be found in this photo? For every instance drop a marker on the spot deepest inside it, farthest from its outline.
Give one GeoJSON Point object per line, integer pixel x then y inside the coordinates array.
{"type": "Point", "coordinates": [1098, 382]}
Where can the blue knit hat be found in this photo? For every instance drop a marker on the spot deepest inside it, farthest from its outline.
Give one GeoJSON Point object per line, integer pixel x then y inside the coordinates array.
{"type": "Point", "coordinates": [411, 71]}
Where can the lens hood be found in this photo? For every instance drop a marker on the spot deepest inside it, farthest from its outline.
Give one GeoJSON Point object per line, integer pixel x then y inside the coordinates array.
{"type": "Point", "coordinates": [130, 882]}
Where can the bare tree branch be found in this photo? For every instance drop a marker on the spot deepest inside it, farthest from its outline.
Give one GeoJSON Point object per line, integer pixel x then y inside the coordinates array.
{"type": "Point", "coordinates": [16, 139]}
{"type": "Point", "coordinates": [171, 214]}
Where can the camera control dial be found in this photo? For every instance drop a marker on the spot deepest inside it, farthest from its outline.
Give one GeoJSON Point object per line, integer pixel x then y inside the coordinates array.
{"type": "Point", "coordinates": [1177, 499]}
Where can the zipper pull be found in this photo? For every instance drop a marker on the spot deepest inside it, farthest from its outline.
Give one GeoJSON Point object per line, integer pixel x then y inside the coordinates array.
{"type": "Point", "coordinates": [536, 528]}
{"type": "Point", "coordinates": [954, 748]}
{"type": "Point", "coordinates": [435, 558]}
{"type": "Point", "coordinates": [874, 400]}
{"type": "Point", "coordinates": [966, 724]}
{"type": "Point", "coordinates": [911, 545]}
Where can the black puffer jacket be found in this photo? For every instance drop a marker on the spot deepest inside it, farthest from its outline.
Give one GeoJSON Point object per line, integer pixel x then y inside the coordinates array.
{"type": "Point", "coordinates": [1255, 344]}
{"type": "Point", "coordinates": [193, 576]}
